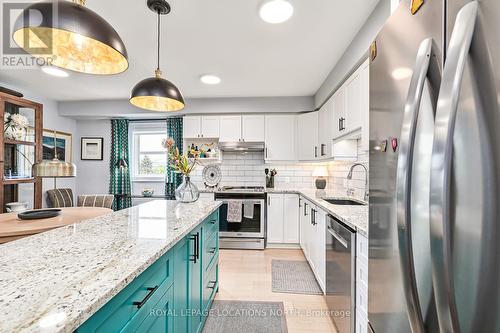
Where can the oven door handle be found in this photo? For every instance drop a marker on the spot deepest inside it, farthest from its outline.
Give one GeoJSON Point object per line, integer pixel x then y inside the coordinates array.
{"type": "Point", "coordinates": [338, 237]}
{"type": "Point", "coordinates": [245, 201]}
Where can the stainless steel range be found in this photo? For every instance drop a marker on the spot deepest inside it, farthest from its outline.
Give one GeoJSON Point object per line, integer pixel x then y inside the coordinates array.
{"type": "Point", "coordinates": [250, 232]}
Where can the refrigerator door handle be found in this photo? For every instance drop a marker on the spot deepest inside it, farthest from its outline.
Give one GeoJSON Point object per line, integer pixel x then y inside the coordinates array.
{"type": "Point", "coordinates": [441, 166]}
{"type": "Point", "coordinates": [403, 183]}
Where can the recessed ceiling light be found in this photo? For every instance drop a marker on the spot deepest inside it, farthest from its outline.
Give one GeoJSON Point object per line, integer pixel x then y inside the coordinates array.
{"type": "Point", "coordinates": [276, 11]}
{"type": "Point", "coordinates": [54, 71]}
{"type": "Point", "coordinates": [402, 73]}
{"type": "Point", "coordinates": [210, 79]}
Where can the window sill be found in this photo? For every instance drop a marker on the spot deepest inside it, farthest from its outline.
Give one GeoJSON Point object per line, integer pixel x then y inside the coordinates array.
{"type": "Point", "coordinates": [148, 180]}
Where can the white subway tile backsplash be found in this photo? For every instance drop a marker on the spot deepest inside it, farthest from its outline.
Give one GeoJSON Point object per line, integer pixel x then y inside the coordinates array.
{"type": "Point", "coordinates": [247, 169]}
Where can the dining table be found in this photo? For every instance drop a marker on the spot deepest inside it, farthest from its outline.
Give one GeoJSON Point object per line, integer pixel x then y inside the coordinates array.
{"type": "Point", "coordinates": [12, 227]}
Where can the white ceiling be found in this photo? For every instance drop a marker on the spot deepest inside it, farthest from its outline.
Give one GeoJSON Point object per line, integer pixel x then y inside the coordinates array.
{"type": "Point", "coordinates": [223, 37]}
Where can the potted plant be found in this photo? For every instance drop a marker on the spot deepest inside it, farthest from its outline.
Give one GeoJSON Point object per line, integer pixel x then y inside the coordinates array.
{"type": "Point", "coordinates": [181, 163]}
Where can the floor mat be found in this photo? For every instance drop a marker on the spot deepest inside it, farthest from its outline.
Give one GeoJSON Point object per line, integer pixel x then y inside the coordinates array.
{"type": "Point", "coordinates": [294, 277]}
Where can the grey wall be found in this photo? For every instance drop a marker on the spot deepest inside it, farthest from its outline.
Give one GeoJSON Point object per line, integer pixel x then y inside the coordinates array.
{"type": "Point", "coordinates": [356, 53]}
{"type": "Point", "coordinates": [53, 121]}
{"type": "Point", "coordinates": [122, 108]}
{"type": "Point", "coordinates": [93, 176]}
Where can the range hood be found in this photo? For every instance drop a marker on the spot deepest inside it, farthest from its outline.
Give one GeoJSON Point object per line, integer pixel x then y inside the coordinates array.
{"type": "Point", "coordinates": [241, 146]}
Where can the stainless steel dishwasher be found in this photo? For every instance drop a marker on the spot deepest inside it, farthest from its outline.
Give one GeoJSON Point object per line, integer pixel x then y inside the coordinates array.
{"type": "Point", "coordinates": [340, 274]}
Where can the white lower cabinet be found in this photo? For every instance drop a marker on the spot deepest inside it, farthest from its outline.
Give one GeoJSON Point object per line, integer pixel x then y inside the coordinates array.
{"type": "Point", "coordinates": [361, 283]}
{"type": "Point", "coordinates": [282, 218]}
{"type": "Point", "coordinates": [312, 238]}
{"type": "Point", "coordinates": [291, 219]}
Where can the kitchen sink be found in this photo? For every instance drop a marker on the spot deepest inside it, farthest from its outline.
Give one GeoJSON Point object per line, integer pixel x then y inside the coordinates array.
{"type": "Point", "coordinates": [344, 202]}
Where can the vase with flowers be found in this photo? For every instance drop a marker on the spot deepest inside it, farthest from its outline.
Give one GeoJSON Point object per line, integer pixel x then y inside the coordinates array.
{"type": "Point", "coordinates": [181, 163]}
{"type": "Point", "coordinates": [14, 126]}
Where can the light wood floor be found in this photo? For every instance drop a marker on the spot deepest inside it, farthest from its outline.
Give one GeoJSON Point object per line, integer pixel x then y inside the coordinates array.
{"type": "Point", "coordinates": [246, 275]}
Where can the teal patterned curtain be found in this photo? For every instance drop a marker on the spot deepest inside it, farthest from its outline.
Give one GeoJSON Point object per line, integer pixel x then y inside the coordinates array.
{"type": "Point", "coordinates": [119, 183]}
{"type": "Point", "coordinates": [172, 179]}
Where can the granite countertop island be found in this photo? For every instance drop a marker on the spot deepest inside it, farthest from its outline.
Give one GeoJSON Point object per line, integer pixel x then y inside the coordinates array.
{"type": "Point", "coordinates": [54, 281]}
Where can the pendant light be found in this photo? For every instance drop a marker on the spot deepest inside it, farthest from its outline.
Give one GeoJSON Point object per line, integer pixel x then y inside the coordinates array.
{"type": "Point", "coordinates": [156, 93]}
{"type": "Point", "coordinates": [81, 40]}
{"type": "Point", "coordinates": [53, 168]}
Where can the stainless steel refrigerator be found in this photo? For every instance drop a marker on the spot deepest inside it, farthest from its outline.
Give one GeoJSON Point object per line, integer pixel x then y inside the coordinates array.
{"type": "Point", "coordinates": [434, 232]}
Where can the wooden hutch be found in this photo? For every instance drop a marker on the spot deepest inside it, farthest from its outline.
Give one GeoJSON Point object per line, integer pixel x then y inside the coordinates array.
{"type": "Point", "coordinates": [17, 156]}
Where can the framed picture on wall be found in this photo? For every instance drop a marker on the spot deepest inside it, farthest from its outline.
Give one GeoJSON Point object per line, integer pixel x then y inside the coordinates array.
{"type": "Point", "coordinates": [61, 140]}
{"type": "Point", "coordinates": [92, 149]}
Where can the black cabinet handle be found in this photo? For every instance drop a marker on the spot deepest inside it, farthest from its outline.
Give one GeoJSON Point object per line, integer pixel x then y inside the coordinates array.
{"type": "Point", "coordinates": [323, 149]}
{"type": "Point", "coordinates": [150, 293]}
{"type": "Point", "coordinates": [313, 216]}
{"type": "Point", "coordinates": [213, 250]}
{"type": "Point", "coordinates": [300, 203]}
{"type": "Point", "coordinates": [342, 123]}
{"type": "Point", "coordinates": [211, 284]}
{"type": "Point", "coordinates": [305, 208]}
{"type": "Point", "coordinates": [196, 255]}
{"type": "Point", "coordinates": [213, 222]}
{"type": "Point", "coordinates": [197, 245]}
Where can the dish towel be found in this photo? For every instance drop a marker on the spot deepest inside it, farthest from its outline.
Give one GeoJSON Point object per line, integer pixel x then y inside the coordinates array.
{"type": "Point", "coordinates": [248, 210]}
{"type": "Point", "coordinates": [234, 211]}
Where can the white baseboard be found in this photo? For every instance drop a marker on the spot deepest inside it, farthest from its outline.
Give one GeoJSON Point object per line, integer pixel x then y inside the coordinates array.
{"type": "Point", "coordinates": [282, 246]}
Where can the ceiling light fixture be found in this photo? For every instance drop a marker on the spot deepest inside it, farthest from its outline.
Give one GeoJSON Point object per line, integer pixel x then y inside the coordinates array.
{"type": "Point", "coordinates": [71, 36]}
{"type": "Point", "coordinates": [156, 93]}
{"type": "Point", "coordinates": [54, 71]}
{"type": "Point", "coordinates": [276, 11]}
{"type": "Point", "coordinates": [210, 79]}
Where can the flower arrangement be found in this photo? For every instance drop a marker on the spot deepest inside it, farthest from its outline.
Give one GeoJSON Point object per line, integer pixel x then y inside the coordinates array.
{"type": "Point", "coordinates": [15, 126]}
{"type": "Point", "coordinates": [181, 162]}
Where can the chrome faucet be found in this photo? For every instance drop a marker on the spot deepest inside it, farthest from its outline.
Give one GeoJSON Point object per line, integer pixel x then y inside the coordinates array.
{"type": "Point", "coordinates": [349, 177]}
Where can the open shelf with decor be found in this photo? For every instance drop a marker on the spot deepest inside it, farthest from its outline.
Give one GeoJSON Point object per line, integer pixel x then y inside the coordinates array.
{"type": "Point", "coordinates": [21, 147]}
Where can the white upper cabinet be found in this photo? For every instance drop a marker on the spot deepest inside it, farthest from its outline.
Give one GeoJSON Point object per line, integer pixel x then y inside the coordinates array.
{"type": "Point", "coordinates": [338, 112]}
{"type": "Point", "coordinates": [280, 138]}
{"type": "Point", "coordinates": [307, 143]}
{"type": "Point", "coordinates": [192, 127]}
{"type": "Point", "coordinates": [350, 107]}
{"type": "Point", "coordinates": [210, 126]}
{"type": "Point", "coordinates": [325, 130]}
{"type": "Point", "coordinates": [230, 129]}
{"type": "Point", "coordinates": [253, 128]}
{"type": "Point", "coordinates": [201, 127]}
{"type": "Point", "coordinates": [353, 102]}
{"type": "Point", "coordinates": [365, 105]}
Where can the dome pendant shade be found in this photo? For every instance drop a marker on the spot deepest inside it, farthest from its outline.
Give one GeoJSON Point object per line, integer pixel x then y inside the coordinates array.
{"type": "Point", "coordinates": [53, 169]}
{"type": "Point", "coordinates": [78, 39]}
{"type": "Point", "coordinates": [157, 94]}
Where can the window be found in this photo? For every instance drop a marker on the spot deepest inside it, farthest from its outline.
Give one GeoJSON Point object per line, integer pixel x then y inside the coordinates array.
{"type": "Point", "coordinates": [148, 157]}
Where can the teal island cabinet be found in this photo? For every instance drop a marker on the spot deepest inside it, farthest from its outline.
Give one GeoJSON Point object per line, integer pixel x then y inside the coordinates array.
{"type": "Point", "coordinates": [174, 294]}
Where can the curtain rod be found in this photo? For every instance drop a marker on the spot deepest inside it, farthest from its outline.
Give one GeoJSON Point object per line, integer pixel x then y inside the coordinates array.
{"type": "Point", "coordinates": [147, 120]}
